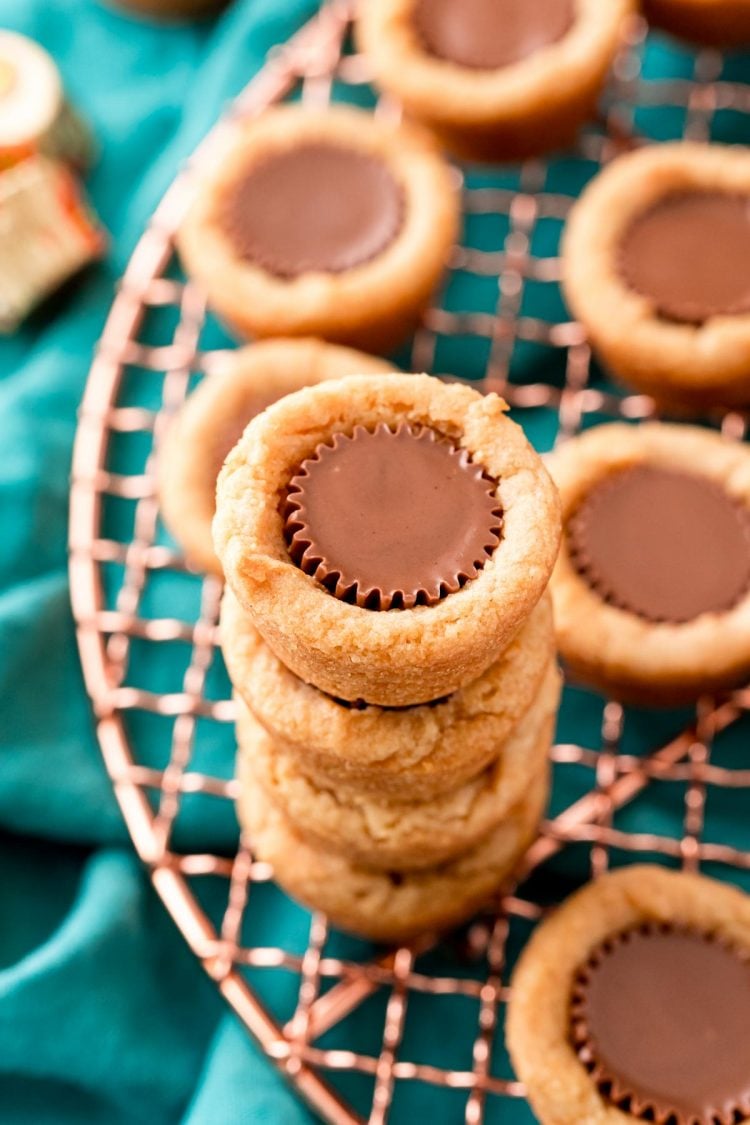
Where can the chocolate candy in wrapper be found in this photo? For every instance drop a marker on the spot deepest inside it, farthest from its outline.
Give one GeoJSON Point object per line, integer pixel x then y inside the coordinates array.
{"type": "Point", "coordinates": [170, 10]}
{"type": "Point", "coordinates": [47, 234]}
{"type": "Point", "coordinates": [34, 115]}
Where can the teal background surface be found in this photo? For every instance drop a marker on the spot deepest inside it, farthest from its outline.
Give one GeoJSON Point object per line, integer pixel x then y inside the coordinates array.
{"type": "Point", "coordinates": [104, 1015]}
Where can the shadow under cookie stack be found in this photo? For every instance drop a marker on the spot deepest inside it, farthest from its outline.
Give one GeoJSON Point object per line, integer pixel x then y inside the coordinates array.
{"type": "Point", "coordinates": [387, 542]}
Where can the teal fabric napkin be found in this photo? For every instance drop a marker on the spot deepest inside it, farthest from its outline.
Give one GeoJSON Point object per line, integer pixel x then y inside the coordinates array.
{"type": "Point", "coordinates": [104, 1015]}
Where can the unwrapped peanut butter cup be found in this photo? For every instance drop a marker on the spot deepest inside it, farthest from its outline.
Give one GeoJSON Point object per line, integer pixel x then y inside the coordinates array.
{"type": "Point", "coordinates": [660, 1018]}
{"type": "Point", "coordinates": [391, 519]}
{"type": "Point", "coordinates": [315, 207]}
{"type": "Point", "coordinates": [661, 543]}
{"type": "Point", "coordinates": [488, 34]}
{"type": "Point", "coordinates": [689, 254]}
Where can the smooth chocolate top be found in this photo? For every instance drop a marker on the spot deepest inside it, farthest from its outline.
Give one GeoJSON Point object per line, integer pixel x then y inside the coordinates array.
{"type": "Point", "coordinates": [391, 519]}
{"type": "Point", "coordinates": [661, 1018]}
{"type": "Point", "coordinates": [663, 544]}
{"type": "Point", "coordinates": [689, 255]}
{"type": "Point", "coordinates": [488, 34]}
{"type": "Point", "coordinates": [316, 207]}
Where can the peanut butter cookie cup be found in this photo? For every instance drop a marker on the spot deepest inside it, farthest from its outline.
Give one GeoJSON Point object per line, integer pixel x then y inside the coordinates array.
{"type": "Point", "coordinates": [632, 1003]}
{"type": "Point", "coordinates": [494, 78]}
{"type": "Point", "coordinates": [408, 834]}
{"type": "Point", "coordinates": [214, 416]}
{"type": "Point", "coordinates": [656, 265]}
{"type": "Point", "coordinates": [327, 223]}
{"type": "Point", "coordinates": [388, 535]}
{"type": "Point", "coordinates": [388, 906]}
{"type": "Point", "coordinates": [716, 23]}
{"type": "Point", "coordinates": [652, 587]}
{"type": "Point", "coordinates": [405, 752]}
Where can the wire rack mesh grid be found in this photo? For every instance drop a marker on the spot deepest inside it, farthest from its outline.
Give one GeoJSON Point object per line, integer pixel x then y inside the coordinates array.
{"type": "Point", "coordinates": [147, 629]}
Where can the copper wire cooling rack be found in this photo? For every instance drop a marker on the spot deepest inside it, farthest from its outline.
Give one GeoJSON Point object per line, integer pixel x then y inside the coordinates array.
{"type": "Point", "coordinates": [134, 602]}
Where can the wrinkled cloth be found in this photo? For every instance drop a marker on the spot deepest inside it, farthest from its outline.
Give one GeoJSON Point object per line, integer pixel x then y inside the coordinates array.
{"type": "Point", "coordinates": [105, 1016]}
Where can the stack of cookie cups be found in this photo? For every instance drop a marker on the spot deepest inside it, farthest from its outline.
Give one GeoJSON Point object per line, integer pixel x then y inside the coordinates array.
{"type": "Point", "coordinates": [387, 542]}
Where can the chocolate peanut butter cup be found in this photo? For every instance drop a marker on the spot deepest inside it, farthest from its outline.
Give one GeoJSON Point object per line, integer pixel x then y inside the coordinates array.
{"type": "Point", "coordinates": [332, 223]}
{"type": "Point", "coordinates": [652, 587]}
{"type": "Point", "coordinates": [689, 254]}
{"type": "Point", "coordinates": [392, 518]}
{"type": "Point", "coordinates": [487, 34]}
{"type": "Point", "coordinates": [662, 543]}
{"type": "Point", "coordinates": [495, 79]}
{"type": "Point", "coordinates": [315, 207]}
{"type": "Point", "coordinates": [399, 493]}
{"type": "Point", "coordinates": [631, 1002]}
{"type": "Point", "coordinates": [656, 267]}
{"type": "Point", "coordinates": [660, 1017]}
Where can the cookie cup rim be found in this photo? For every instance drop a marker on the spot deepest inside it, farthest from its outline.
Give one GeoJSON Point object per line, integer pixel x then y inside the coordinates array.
{"type": "Point", "coordinates": [443, 91]}
{"type": "Point", "coordinates": [481, 617]}
{"type": "Point", "coordinates": [382, 288]}
{"type": "Point", "coordinates": [408, 834]}
{"type": "Point", "coordinates": [680, 660]}
{"type": "Point", "coordinates": [704, 362]}
{"type": "Point", "coordinates": [309, 722]}
{"type": "Point", "coordinates": [418, 903]}
{"type": "Point", "coordinates": [558, 1085]}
